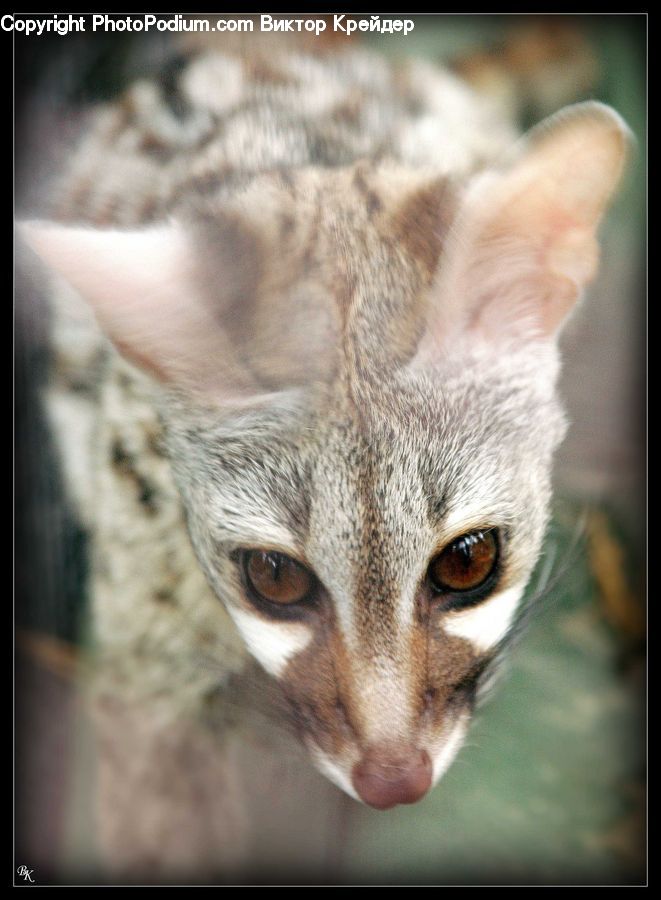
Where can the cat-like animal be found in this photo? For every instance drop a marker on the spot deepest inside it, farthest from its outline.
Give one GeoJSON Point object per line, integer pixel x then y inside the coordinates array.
{"type": "Point", "coordinates": [307, 413]}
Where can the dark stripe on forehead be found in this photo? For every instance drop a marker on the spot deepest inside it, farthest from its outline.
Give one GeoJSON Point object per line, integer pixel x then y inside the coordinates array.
{"type": "Point", "coordinates": [384, 269]}
{"type": "Point", "coordinates": [377, 585]}
{"type": "Point", "coordinates": [421, 222]}
{"type": "Point", "coordinates": [373, 203]}
{"type": "Point", "coordinates": [434, 487]}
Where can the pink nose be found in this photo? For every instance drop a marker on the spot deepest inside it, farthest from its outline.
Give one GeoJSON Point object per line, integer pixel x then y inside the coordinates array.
{"type": "Point", "coordinates": [384, 778]}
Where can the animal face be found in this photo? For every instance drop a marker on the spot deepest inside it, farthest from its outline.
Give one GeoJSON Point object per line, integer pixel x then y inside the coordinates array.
{"type": "Point", "coordinates": [321, 533]}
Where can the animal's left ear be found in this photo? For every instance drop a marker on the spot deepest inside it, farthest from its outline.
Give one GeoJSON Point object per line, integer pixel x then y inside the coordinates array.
{"type": "Point", "coordinates": [524, 244]}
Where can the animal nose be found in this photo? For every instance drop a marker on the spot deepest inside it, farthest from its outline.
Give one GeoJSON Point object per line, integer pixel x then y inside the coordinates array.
{"type": "Point", "coordinates": [384, 778]}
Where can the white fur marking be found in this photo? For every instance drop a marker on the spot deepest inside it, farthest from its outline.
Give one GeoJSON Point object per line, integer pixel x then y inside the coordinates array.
{"type": "Point", "coordinates": [446, 755]}
{"type": "Point", "coordinates": [333, 772]}
{"type": "Point", "coordinates": [256, 528]}
{"type": "Point", "coordinates": [485, 625]}
{"type": "Point", "coordinates": [272, 644]}
{"type": "Point", "coordinates": [471, 514]}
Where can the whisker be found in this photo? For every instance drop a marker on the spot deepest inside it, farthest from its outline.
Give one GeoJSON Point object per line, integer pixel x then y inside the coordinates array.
{"type": "Point", "coordinates": [550, 574]}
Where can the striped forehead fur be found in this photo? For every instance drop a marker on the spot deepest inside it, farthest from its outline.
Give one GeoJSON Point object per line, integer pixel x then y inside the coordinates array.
{"type": "Point", "coordinates": [395, 506]}
{"type": "Point", "coordinates": [300, 273]}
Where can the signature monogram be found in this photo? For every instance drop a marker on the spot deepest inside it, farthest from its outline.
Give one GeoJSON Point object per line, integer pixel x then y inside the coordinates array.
{"type": "Point", "coordinates": [25, 873]}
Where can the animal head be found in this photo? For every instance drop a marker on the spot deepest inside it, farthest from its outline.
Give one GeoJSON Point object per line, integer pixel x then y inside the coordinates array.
{"type": "Point", "coordinates": [357, 371]}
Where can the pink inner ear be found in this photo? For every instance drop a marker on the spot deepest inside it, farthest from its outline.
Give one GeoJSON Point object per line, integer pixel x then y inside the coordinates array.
{"type": "Point", "coordinates": [574, 255]}
{"type": "Point", "coordinates": [525, 243]}
{"type": "Point", "coordinates": [534, 264]}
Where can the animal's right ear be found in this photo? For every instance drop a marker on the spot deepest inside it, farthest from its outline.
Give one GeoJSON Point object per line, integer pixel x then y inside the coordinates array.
{"type": "Point", "coordinates": [142, 288]}
{"type": "Point", "coordinates": [180, 301]}
{"type": "Point", "coordinates": [205, 305]}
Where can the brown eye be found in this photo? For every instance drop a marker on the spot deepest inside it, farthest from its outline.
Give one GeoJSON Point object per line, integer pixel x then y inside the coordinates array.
{"type": "Point", "coordinates": [276, 577]}
{"type": "Point", "coordinates": [466, 564]}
